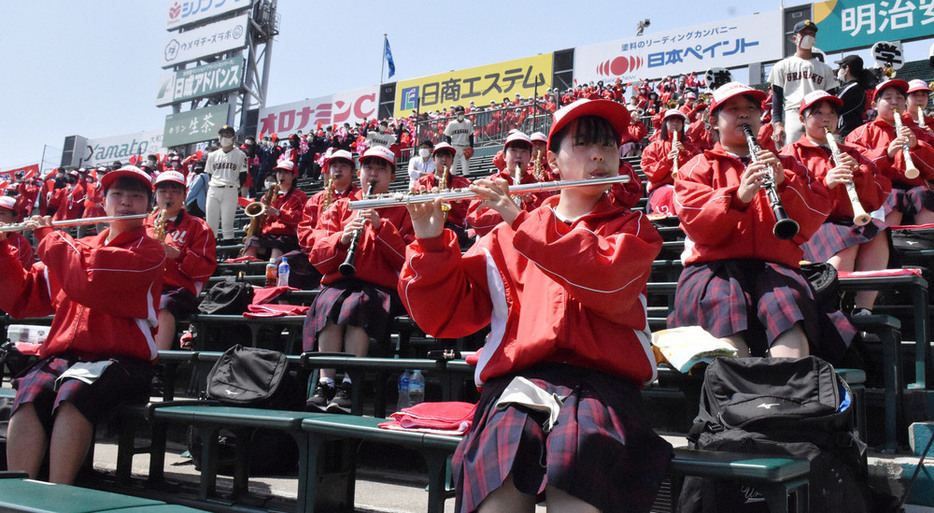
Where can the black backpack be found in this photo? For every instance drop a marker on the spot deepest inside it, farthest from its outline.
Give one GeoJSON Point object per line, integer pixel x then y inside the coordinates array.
{"type": "Point", "coordinates": [229, 297]}
{"type": "Point", "coordinates": [254, 378]}
{"type": "Point", "coordinates": [789, 407]}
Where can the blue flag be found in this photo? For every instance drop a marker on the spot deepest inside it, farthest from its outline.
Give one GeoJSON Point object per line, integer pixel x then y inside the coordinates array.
{"type": "Point", "coordinates": [392, 65]}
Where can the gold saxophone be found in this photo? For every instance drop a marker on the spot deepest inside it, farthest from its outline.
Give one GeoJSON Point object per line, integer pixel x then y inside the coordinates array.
{"type": "Point", "coordinates": [537, 166]}
{"type": "Point", "coordinates": [158, 224]}
{"type": "Point", "coordinates": [443, 186]}
{"type": "Point", "coordinates": [328, 194]}
{"type": "Point", "coordinates": [257, 212]}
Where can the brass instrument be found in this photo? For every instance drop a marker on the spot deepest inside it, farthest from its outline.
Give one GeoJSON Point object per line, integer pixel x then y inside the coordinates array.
{"type": "Point", "coordinates": [443, 186]}
{"type": "Point", "coordinates": [674, 160]}
{"type": "Point", "coordinates": [256, 211]}
{"type": "Point", "coordinates": [911, 172]}
{"type": "Point", "coordinates": [400, 198]}
{"type": "Point", "coordinates": [328, 194]}
{"type": "Point", "coordinates": [672, 104]}
{"type": "Point", "coordinates": [18, 227]}
{"type": "Point", "coordinates": [158, 224]}
{"type": "Point", "coordinates": [347, 268]}
{"type": "Point", "coordinates": [518, 199]}
{"type": "Point", "coordinates": [537, 166]}
{"type": "Point", "coordinates": [785, 228]}
{"type": "Point", "coordinates": [860, 217]}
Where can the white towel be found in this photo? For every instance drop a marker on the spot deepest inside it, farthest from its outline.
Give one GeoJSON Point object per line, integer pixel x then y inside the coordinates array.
{"type": "Point", "coordinates": [85, 371]}
{"type": "Point", "coordinates": [521, 391]}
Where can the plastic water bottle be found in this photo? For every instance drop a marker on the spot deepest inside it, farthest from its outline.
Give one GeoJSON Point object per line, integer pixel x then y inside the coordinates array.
{"type": "Point", "coordinates": [403, 391]}
{"type": "Point", "coordinates": [284, 271]}
{"type": "Point", "coordinates": [416, 387]}
{"type": "Point", "coordinates": [271, 274]}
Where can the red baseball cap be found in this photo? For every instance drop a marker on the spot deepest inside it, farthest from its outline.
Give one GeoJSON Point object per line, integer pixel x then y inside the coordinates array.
{"type": "Point", "coordinates": [615, 113]}
{"type": "Point", "coordinates": [443, 146]}
{"type": "Point", "coordinates": [9, 203]}
{"type": "Point", "coordinates": [897, 83]}
{"type": "Point", "coordinates": [674, 113]}
{"type": "Point", "coordinates": [517, 137]}
{"type": "Point", "coordinates": [816, 96]}
{"type": "Point", "coordinates": [285, 164]}
{"type": "Point", "coordinates": [128, 170]}
{"type": "Point", "coordinates": [339, 155]}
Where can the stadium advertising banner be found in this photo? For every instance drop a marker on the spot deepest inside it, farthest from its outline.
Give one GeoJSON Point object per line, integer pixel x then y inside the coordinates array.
{"type": "Point", "coordinates": [105, 150]}
{"type": "Point", "coordinates": [185, 12]}
{"type": "Point", "coordinates": [213, 78]}
{"type": "Point", "coordinates": [10, 174]}
{"type": "Point", "coordinates": [481, 84]}
{"type": "Point", "coordinates": [727, 44]}
{"type": "Point", "coordinates": [193, 126]}
{"type": "Point", "coordinates": [347, 107]}
{"type": "Point", "coordinates": [203, 41]}
{"type": "Point", "coordinates": [845, 24]}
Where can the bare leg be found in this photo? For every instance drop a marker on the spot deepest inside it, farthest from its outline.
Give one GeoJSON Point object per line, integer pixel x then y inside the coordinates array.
{"type": "Point", "coordinates": [792, 343]}
{"type": "Point", "coordinates": [739, 342]}
{"type": "Point", "coordinates": [507, 498]}
{"type": "Point", "coordinates": [845, 260]}
{"type": "Point", "coordinates": [356, 341]}
{"type": "Point", "coordinates": [166, 334]}
{"type": "Point", "coordinates": [26, 441]}
{"type": "Point", "coordinates": [72, 434]}
{"type": "Point", "coordinates": [561, 501]}
{"type": "Point", "coordinates": [924, 217]}
{"type": "Point", "coordinates": [873, 255]}
{"type": "Point", "coordinates": [893, 218]}
{"type": "Point", "coordinates": [250, 251]}
{"type": "Point", "coordinates": [275, 253]}
{"type": "Point", "coordinates": [330, 340]}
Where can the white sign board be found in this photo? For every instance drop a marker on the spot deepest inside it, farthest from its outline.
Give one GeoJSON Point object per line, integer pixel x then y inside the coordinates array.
{"type": "Point", "coordinates": [105, 150]}
{"type": "Point", "coordinates": [347, 107]}
{"type": "Point", "coordinates": [727, 44]}
{"type": "Point", "coordinates": [219, 37]}
{"type": "Point", "coordinates": [888, 53]}
{"type": "Point", "coordinates": [185, 12]}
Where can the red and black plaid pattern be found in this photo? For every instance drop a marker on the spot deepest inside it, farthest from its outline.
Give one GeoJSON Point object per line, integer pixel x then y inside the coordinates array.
{"type": "Point", "coordinates": [601, 450]}
{"type": "Point", "coordinates": [127, 380]}
{"type": "Point", "coordinates": [355, 303]}
{"type": "Point", "coordinates": [832, 238]}
{"type": "Point", "coordinates": [285, 243]}
{"type": "Point", "coordinates": [910, 201]}
{"type": "Point", "coordinates": [762, 299]}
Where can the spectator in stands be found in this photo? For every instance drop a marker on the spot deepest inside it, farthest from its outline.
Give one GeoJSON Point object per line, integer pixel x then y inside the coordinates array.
{"type": "Point", "coordinates": [190, 252]}
{"type": "Point", "coordinates": [740, 282]}
{"type": "Point", "coordinates": [845, 245]}
{"type": "Point", "coordinates": [658, 162]}
{"type": "Point", "coordinates": [459, 134]}
{"type": "Point", "coordinates": [919, 93]}
{"type": "Point", "coordinates": [103, 291]}
{"type": "Point", "coordinates": [878, 141]}
{"type": "Point", "coordinates": [352, 309]}
{"type": "Point", "coordinates": [19, 245]}
{"type": "Point", "coordinates": [253, 156]}
{"type": "Point", "coordinates": [278, 234]}
{"type": "Point", "coordinates": [444, 179]}
{"type": "Point", "coordinates": [382, 136]}
{"type": "Point", "coordinates": [339, 171]}
{"type": "Point", "coordinates": [792, 78]}
{"type": "Point", "coordinates": [70, 198]}
{"type": "Point", "coordinates": [540, 156]}
{"type": "Point", "coordinates": [700, 131]}
{"type": "Point", "coordinates": [196, 200]}
{"type": "Point", "coordinates": [853, 93]}
{"type": "Point", "coordinates": [224, 167]}
{"type": "Point", "coordinates": [421, 164]}
{"type": "Point", "coordinates": [556, 283]}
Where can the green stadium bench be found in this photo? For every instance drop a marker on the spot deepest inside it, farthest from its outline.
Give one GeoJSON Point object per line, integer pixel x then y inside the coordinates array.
{"type": "Point", "coordinates": [205, 322]}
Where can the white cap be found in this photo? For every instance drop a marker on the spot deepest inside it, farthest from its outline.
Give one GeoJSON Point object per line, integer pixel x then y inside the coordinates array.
{"type": "Point", "coordinates": [170, 176]}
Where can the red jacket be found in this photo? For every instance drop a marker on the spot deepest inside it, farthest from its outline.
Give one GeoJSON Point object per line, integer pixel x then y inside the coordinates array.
{"type": "Point", "coordinates": [290, 207]}
{"type": "Point", "coordinates": [104, 296]}
{"type": "Point", "coordinates": [657, 166]}
{"type": "Point", "coordinates": [24, 252]}
{"type": "Point", "coordinates": [197, 259]}
{"type": "Point", "coordinates": [379, 255]}
{"type": "Point", "coordinates": [71, 204]}
{"type": "Point", "coordinates": [928, 122]}
{"type": "Point", "coordinates": [482, 221]}
{"type": "Point", "coordinates": [311, 213]}
{"type": "Point", "coordinates": [458, 213]}
{"type": "Point", "coordinates": [551, 292]}
{"type": "Point", "coordinates": [700, 135]}
{"type": "Point", "coordinates": [872, 140]}
{"type": "Point", "coordinates": [721, 227]}
{"type": "Point", "coordinates": [873, 188]}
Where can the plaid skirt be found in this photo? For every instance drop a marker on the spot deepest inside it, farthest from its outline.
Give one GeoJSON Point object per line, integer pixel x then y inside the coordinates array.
{"type": "Point", "coordinates": [355, 303]}
{"type": "Point", "coordinates": [127, 380]}
{"type": "Point", "coordinates": [285, 243]}
{"type": "Point", "coordinates": [762, 299]}
{"type": "Point", "coordinates": [834, 236]}
{"type": "Point", "coordinates": [601, 450]}
{"type": "Point", "coordinates": [180, 302]}
{"type": "Point", "coordinates": [910, 200]}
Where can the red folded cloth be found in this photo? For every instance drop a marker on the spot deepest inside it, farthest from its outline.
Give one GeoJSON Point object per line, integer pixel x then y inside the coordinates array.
{"type": "Point", "coordinates": [913, 226]}
{"type": "Point", "coordinates": [28, 348]}
{"type": "Point", "coordinates": [274, 310]}
{"type": "Point", "coordinates": [881, 272]}
{"type": "Point", "coordinates": [445, 417]}
{"type": "Point", "coordinates": [267, 294]}
{"type": "Point", "coordinates": [242, 259]}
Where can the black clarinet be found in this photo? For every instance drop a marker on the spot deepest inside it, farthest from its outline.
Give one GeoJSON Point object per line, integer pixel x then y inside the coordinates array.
{"type": "Point", "coordinates": [785, 227]}
{"type": "Point", "coordinates": [347, 268]}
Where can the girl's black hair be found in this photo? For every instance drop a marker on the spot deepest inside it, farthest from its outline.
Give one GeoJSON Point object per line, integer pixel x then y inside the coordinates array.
{"type": "Point", "coordinates": [128, 183]}
{"type": "Point", "coordinates": [590, 129]}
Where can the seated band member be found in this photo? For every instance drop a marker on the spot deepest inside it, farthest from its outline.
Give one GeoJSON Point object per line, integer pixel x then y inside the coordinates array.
{"type": "Point", "coordinates": [9, 214]}
{"type": "Point", "coordinates": [658, 161]}
{"type": "Point", "coordinates": [443, 157]}
{"type": "Point", "coordinates": [280, 229]}
{"type": "Point", "coordinates": [338, 173]}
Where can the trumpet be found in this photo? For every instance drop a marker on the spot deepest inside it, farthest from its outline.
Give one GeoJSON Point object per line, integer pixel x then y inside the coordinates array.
{"type": "Point", "coordinates": [18, 227]}
{"type": "Point", "coordinates": [347, 268]}
{"type": "Point", "coordinates": [911, 172]}
{"type": "Point", "coordinates": [860, 217]}
{"type": "Point", "coordinates": [674, 160]}
{"type": "Point", "coordinates": [785, 228]}
{"type": "Point", "coordinates": [400, 198]}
